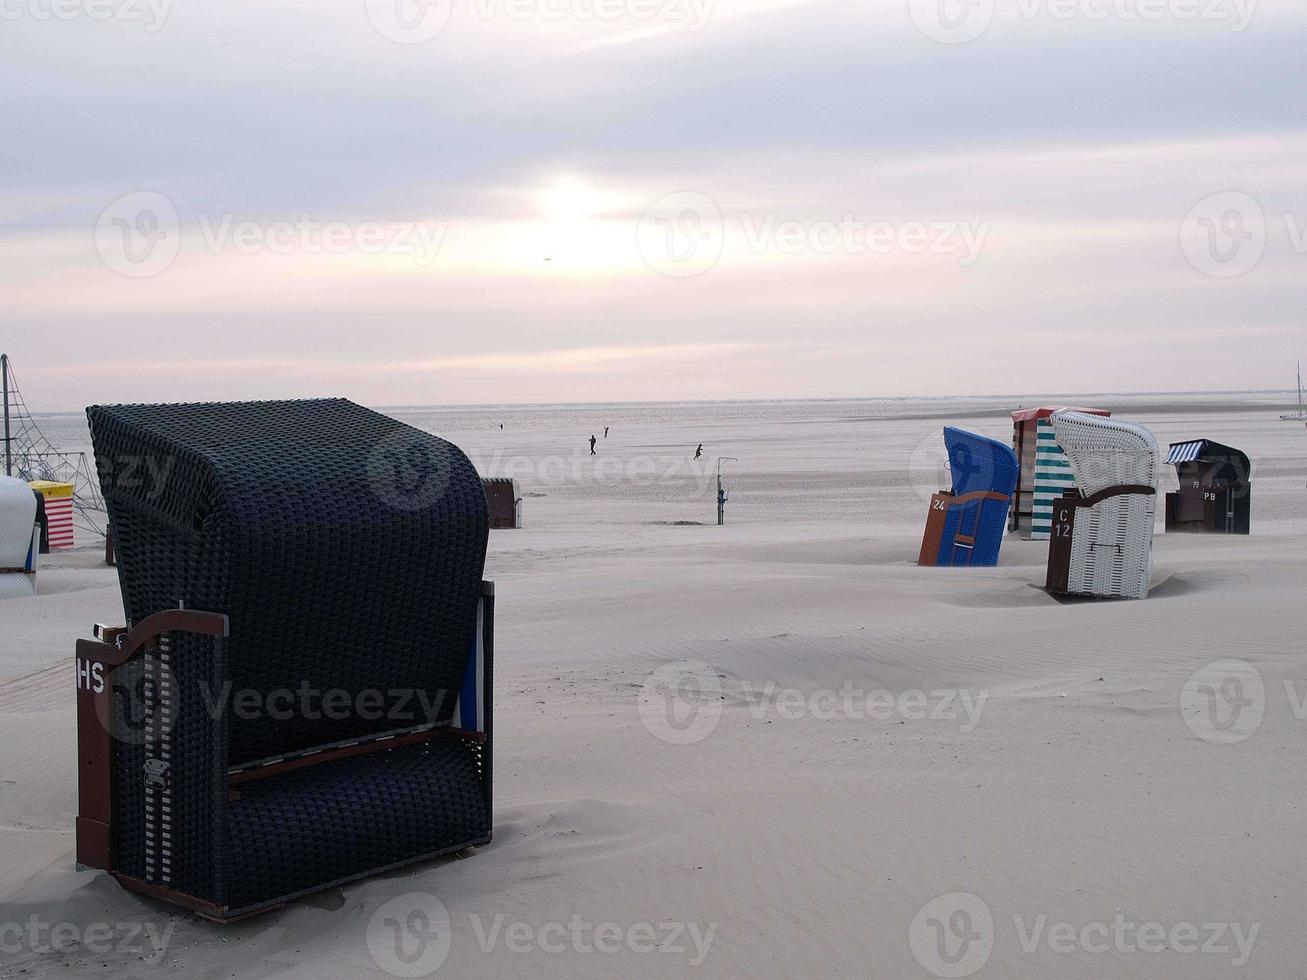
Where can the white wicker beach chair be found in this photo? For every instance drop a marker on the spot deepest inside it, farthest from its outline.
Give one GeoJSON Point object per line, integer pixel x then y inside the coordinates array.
{"type": "Point", "coordinates": [1111, 526]}
{"type": "Point", "coordinates": [19, 539]}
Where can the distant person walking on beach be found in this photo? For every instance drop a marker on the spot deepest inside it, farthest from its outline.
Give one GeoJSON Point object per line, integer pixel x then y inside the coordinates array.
{"type": "Point", "coordinates": [698, 452]}
{"type": "Point", "coordinates": [605, 432]}
{"type": "Point", "coordinates": [592, 446]}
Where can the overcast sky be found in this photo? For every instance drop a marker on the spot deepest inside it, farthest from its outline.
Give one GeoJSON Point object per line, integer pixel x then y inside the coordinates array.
{"type": "Point", "coordinates": [577, 200]}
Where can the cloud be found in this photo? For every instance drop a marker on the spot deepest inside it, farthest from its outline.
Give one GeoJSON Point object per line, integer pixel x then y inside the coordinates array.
{"type": "Point", "coordinates": [1078, 145]}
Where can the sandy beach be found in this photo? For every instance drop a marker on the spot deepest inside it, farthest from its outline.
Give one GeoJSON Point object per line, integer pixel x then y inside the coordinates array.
{"type": "Point", "coordinates": [879, 758]}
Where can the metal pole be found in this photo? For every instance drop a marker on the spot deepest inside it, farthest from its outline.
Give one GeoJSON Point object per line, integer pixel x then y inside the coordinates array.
{"type": "Point", "coordinates": [721, 493]}
{"type": "Point", "coordinates": [4, 372]}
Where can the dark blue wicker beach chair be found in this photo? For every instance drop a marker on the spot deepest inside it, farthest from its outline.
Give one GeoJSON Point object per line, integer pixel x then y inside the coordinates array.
{"type": "Point", "coordinates": [965, 526]}
{"type": "Point", "coordinates": [302, 695]}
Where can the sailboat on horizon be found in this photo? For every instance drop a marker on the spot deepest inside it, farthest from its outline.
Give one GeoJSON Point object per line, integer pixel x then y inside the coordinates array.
{"type": "Point", "coordinates": [1301, 414]}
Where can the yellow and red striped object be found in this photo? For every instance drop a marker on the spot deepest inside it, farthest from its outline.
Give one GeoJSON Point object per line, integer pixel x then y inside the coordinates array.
{"type": "Point", "coordinates": [58, 511]}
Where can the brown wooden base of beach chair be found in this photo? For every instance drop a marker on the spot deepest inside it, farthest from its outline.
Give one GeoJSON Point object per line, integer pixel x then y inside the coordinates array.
{"type": "Point", "coordinates": [937, 518]}
{"type": "Point", "coordinates": [205, 910]}
{"type": "Point", "coordinates": [1218, 509]}
{"type": "Point", "coordinates": [96, 660]}
{"type": "Point", "coordinates": [96, 830]}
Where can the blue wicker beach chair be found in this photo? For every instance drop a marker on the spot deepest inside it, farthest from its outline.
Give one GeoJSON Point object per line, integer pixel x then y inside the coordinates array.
{"type": "Point", "coordinates": [965, 526]}
{"type": "Point", "coordinates": [302, 693]}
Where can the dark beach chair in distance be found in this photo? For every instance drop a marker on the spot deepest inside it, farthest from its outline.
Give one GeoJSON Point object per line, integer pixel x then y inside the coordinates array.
{"type": "Point", "coordinates": [1215, 491]}
{"type": "Point", "coordinates": [966, 525]}
{"type": "Point", "coordinates": [302, 694]}
{"type": "Point", "coordinates": [504, 502]}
